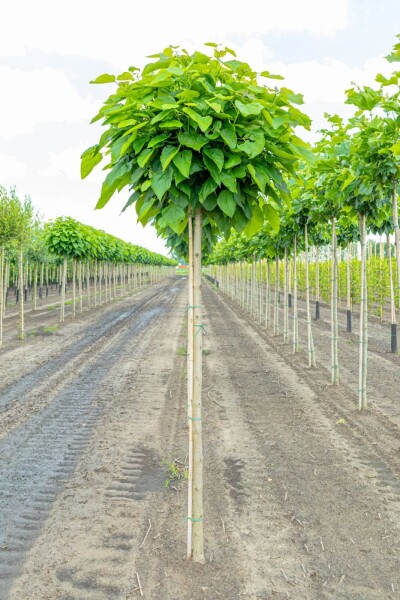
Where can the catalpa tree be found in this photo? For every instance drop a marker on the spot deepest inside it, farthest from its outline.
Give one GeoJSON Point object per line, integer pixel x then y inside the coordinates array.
{"type": "Point", "coordinates": [194, 135]}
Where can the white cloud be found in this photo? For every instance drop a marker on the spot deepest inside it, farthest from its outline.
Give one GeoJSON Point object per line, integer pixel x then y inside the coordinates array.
{"type": "Point", "coordinates": [128, 30]}
{"type": "Point", "coordinates": [39, 96]}
{"type": "Point", "coordinates": [11, 169]}
{"type": "Point", "coordinates": [68, 163]}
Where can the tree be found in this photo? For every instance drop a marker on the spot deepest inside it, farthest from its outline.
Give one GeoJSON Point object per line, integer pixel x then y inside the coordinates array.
{"type": "Point", "coordinates": [197, 135]}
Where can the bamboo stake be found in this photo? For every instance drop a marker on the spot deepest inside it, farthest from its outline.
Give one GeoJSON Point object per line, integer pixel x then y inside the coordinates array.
{"type": "Point", "coordinates": [362, 392]}
{"type": "Point", "coordinates": [21, 294]}
{"type": "Point", "coordinates": [285, 300]}
{"type": "Point", "coordinates": [311, 349]}
{"type": "Point", "coordinates": [296, 344]}
{"type": "Point", "coordinates": [276, 297]}
{"type": "Point", "coordinates": [197, 506]}
{"type": "Point", "coordinates": [190, 370]}
{"type": "Point", "coordinates": [393, 323]}
{"type": "Point", "coordinates": [63, 286]}
{"type": "Point", "coordinates": [334, 309]}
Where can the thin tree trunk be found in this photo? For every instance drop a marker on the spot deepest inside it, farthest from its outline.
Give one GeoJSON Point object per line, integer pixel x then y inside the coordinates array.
{"type": "Point", "coordinates": [362, 398]}
{"type": "Point", "coordinates": [393, 322]}
{"type": "Point", "coordinates": [276, 299]}
{"type": "Point", "coordinates": [296, 344]}
{"type": "Point", "coordinates": [63, 286]}
{"type": "Point", "coordinates": [2, 297]}
{"type": "Point", "coordinates": [311, 349]}
{"type": "Point", "coordinates": [285, 300]}
{"type": "Point", "coordinates": [197, 512]}
{"type": "Point", "coordinates": [317, 293]}
{"type": "Point", "coordinates": [190, 352]}
{"type": "Point", "coordinates": [21, 294]}
{"type": "Point", "coordinates": [396, 237]}
{"type": "Point", "coordinates": [348, 299]}
{"type": "Point", "coordinates": [73, 287]}
{"type": "Point", "coordinates": [334, 309]}
{"type": "Point", "coordinates": [35, 279]}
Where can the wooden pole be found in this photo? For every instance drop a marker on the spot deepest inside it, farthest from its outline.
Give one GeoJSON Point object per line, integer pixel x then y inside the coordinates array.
{"type": "Point", "coordinates": [311, 350]}
{"type": "Point", "coordinates": [362, 387]}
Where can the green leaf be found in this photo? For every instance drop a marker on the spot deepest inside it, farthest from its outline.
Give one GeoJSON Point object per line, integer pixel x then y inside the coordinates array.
{"type": "Point", "coordinates": [254, 146]}
{"type": "Point", "coordinates": [227, 203]}
{"type": "Point", "coordinates": [143, 211]}
{"type": "Point", "coordinates": [192, 140]}
{"type": "Point", "coordinates": [203, 122]}
{"type": "Point", "coordinates": [249, 109]}
{"type": "Point", "coordinates": [167, 155]}
{"type": "Point", "coordinates": [158, 140]}
{"type": "Point", "coordinates": [216, 155]}
{"type": "Point", "coordinates": [259, 176]}
{"type": "Point", "coordinates": [171, 124]}
{"type": "Point", "coordinates": [271, 216]}
{"type": "Point", "coordinates": [125, 76]}
{"type": "Point", "coordinates": [229, 181]}
{"type": "Point", "coordinates": [161, 182]}
{"type": "Point", "coordinates": [395, 148]}
{"type": "Point", "coordinates": [183, 162]}
{"type": "Point", "coordinates": [256, 222]}
{"type": "Point", "coordinates": [208, 187]}
{"type": "Point", "coordinates": [270, 75]}
{"type": "Point", "coordinates": [212, 168]}
{"type": "Point", "coordinates": [90, 158]}
{"type": "Point", "coordinates": [105, 78]}
{"type": "Point", "coordinates": [174, 216]}
{"type": "Point", "coordinates": [228, 134]}
{"type": "Point", "coordinates": [117, 175]}
{"type": "Point", "coordinates": [210, 202]}
{"type": "Point", "coordinates": [144, 157]}
{"type": "Point", "coordinates": [161, 116]}
{"type": "Point", "coordinates": [233, 161]}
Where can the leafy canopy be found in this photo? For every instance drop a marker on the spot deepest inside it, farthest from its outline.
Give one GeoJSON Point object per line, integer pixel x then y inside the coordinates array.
{"type": "Point", "coordinates": [194, 131]}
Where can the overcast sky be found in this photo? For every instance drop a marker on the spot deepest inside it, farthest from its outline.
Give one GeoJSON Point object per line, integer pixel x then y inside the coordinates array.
{"type": "Point", "coordinates": [50, 50]}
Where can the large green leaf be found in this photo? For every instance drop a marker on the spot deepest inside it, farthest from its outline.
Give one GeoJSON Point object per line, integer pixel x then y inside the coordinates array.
{"type": "Point", "coordinates": [105, 78]}
{"type": "Point", "coordinates": [203, 122]}
{"type": "Point", "coordinates": [253, 146]}
{"type": "Point", "coordinates": [259, 176]}
{"type": "Point", "coordinates": [271, 216]}
{"type": "Point", "coordinates": [161, 181]}
{"type": "Point", "coordinates": [206, 189]}
{"type": "Point", "coordinates": [249, 109]}
{"type": "Point", "coordinates": [227, 203]}
{"type": "Point", "coordinates": [229, 181]}
{"type": "Point", "coordinates": [144, 157]}
{"type": "Point", "coordinates": [174, 216]}
{"type": "Point", "coordinates": [167, 155]}
{"type": "Point", "coordinates": [192, 140]}
{"type": "Point", "coordinates": [119, 174]}
{"type": "Point", "coordinates": [216, 156]}
{"type": "Point", "coordinates": [228, 134]}
{"type": "Point", "coordinates": [90, 158]}
{"type": "Point", "coordinates": [256, 222]}
{"type": "Point", "coordinates": [212, 168]}
{"type": "Point", "coordinates": [183, 161]}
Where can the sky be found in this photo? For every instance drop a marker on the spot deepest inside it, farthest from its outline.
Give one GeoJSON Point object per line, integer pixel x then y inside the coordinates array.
{"type": "Point", "coordinates": [50, 51]}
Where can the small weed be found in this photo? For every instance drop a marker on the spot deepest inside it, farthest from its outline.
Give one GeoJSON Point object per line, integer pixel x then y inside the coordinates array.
{"type": "Point", "coordinates": [340, 421]}
{"type": "Point", "coordinates": [181, 351]}
{"type": "Point", "coordinates": [32, 333]}
{"type": "Point", "coordinates": [176, 472]}
{"type": "Point", "coordinates": [206, 351]}
{"type": "Point", "coordinates": [50, 329]}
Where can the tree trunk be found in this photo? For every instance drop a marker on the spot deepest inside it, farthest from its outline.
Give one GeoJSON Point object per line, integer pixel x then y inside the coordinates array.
{"type": "Point", "coordinates": [73, 287]}
{"type": "Point", "coordinates": [296, 344]}
{"type": "Point", "coordinates": [2, 299]}
{"type": "Point", "coordinates": [396, 237]}
{"type": "Point", "coordinates": [190, 352]}
{"type": "Point", "coordinates": [334, 309]}
{"type": "Point", "coordinates": [317, 295]}
{"type": "Point", "coordinates": [35, 279]}
{"type": "Point", "coordinates": [348, 299]}
{"type": "Point", "coordinates": [393, 323]}
{"type": "Point", "coordinates": [21, 294]}
{"type": "Point", "coordinates": [311, 349]}
{"type": "Point", "coordinates": [276, 298]}
{"type": "Point", "coordinates": [63, 285]}
{"type": "Point", "coordinates": [362, 398]}
{"type": "Point", "coordinates": [197, 512]}
{"type": "Point", "coordinates": [285, 300]}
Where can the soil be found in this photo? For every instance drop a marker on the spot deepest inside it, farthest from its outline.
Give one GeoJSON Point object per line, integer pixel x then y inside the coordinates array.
{"type": "Point", "coordinates": [302, 492]}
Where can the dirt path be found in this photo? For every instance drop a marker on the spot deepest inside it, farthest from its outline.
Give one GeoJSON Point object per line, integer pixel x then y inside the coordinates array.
{"type": "Point", "coordinates": [301, 492]}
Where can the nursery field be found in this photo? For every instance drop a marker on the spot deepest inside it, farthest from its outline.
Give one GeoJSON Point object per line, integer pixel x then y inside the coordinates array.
{"type": "Point", "coordinates": [301, 490]}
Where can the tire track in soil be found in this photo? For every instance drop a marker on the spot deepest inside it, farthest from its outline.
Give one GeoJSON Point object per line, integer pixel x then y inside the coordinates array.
{"type": "Point", "coordinates": [39, 458]}
{"type": "Point", "coordinates": [317, 526]}
{"type": "Point", "coordinates": [43, 381]}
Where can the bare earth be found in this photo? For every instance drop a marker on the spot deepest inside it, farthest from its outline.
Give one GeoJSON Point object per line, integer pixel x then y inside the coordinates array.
{"type": "Point", "coordinates": [302, 493]}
